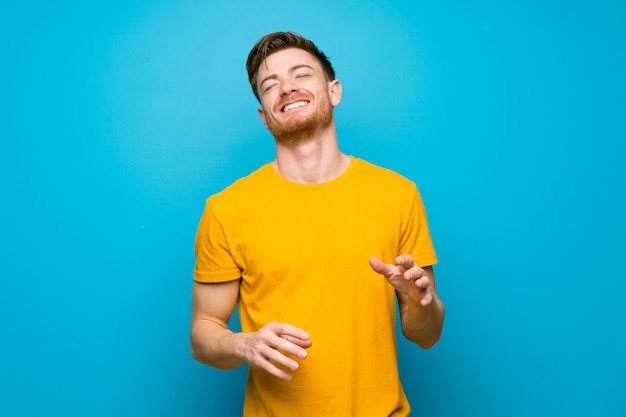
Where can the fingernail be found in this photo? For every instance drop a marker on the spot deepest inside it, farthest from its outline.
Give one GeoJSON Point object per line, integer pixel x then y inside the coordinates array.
{"type": "Point", "coordinates": [294, 365]}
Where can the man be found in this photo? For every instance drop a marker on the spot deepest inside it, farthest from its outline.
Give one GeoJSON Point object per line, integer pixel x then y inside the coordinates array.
{"type": "Point", "coordinates": [312, 246]}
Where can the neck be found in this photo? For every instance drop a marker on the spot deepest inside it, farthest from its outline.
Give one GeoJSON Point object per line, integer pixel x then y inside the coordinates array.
{"type": "Point", "coordinates": [313, 161]}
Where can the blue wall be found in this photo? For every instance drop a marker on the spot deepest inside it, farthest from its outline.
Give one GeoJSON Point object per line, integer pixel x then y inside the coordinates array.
{"type": "Point", "coordinates": [119, 118]}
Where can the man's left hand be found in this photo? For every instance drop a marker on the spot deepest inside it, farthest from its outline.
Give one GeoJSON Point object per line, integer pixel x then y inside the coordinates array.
{"type": "Point", "coordinates": [407, 278]}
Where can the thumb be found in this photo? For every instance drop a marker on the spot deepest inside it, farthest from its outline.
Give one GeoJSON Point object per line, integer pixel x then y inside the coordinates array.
{"type": "Point", "coordinates": [379, 266]}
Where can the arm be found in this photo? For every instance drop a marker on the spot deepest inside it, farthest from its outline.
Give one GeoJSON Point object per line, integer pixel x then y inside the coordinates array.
{"type": "Point", "coordinates": [421, 310]}
{"type": "Point", "coordinates": [212, 343]}
{"type": "Point", "coordinates": [422, 318]}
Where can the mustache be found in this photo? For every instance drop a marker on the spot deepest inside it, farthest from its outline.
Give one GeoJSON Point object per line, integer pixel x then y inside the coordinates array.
{"type": "Point", "coordinates": [292, 99]}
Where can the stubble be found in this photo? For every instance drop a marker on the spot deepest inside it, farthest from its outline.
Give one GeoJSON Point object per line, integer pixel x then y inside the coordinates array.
{"type": "Point", "coordinates": [297, 130]}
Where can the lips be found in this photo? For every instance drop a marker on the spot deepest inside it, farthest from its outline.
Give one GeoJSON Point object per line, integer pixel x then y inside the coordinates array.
{"type": "Point", "coordinates": [294, 105]}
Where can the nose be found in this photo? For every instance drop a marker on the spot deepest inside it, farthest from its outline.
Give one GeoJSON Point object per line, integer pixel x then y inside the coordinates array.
{"type": "Point", "coordinates": [288, 87]}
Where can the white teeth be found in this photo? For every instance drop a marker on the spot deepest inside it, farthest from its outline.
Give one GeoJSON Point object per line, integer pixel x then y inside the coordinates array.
{"type": "Point", "coordinates": [294, 105]}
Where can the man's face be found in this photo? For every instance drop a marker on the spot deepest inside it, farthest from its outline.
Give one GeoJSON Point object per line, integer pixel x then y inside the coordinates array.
{"type": "Point", "coordinates": [296, 99]}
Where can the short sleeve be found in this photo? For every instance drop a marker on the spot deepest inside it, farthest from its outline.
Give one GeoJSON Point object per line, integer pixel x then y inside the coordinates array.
{"type": "Point", "coordinates": [214, 260]}
{"type": "Point", "coordinates": [415, 238]}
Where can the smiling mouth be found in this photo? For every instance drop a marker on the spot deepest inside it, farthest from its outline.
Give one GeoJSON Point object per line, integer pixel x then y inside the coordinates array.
{"type": "Point", "coordinates": [294, 105]}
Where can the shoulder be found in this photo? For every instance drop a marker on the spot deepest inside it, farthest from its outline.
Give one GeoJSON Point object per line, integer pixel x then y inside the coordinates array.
{"type": "Point", "coordinates": [244, 187]}
{"type": "Point", "coordinates": [242, 196]}
{"type": "Point", "coordinates": [378, 176]}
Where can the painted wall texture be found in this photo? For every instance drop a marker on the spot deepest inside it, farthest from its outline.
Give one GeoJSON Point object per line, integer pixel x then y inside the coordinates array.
{"type": "Point", "coordinates": [118, 120]}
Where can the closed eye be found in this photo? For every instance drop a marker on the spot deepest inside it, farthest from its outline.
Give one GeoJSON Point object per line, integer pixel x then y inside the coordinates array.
{"type": "Point", "coordinates": [269, 87]}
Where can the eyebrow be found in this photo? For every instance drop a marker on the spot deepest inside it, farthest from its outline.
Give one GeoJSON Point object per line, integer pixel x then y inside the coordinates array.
{"type": "Point", "coordinates": [292, 69]}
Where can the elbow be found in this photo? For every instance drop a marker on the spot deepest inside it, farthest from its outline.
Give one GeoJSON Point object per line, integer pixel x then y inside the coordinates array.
{"type": "Point", "coordinates": [427, 336]}
{"type": "Point", "coordinates": [429, 342]}
{"type": "Point", "coordinates": [195, 352]}
{"type": "Point", "coordinates": [425, 341]}
{"type": "Point", "coordinates": [198, 351]}
{"type": "Point", "coordinates": [203, 354]}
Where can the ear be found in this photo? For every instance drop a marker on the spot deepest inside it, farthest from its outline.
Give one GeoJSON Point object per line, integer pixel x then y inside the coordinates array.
{"type": "Point", "coordinates": [335, 91]}
{"type": "Point", "coordinates": [262, 116]}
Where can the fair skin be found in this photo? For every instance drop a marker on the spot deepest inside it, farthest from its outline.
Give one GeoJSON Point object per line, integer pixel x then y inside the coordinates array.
{"type": "Point", "coordinates": [293, 89]}
{"type": "Point", "coordinates": [292, 86]}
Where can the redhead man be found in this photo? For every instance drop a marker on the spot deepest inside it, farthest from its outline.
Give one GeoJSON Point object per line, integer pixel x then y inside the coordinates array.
{"type": "Point", "coordinates": [314, 248]}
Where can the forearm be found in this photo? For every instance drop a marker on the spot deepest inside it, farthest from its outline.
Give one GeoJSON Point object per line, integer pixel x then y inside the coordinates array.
{"type": "Point", "coordinates": [423, 324]}
{"type": "Point", "coordinates": [213, 344]}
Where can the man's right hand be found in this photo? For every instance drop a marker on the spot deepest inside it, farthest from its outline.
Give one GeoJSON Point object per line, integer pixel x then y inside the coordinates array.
{"type": "Point", "coordinates": [273, 348]}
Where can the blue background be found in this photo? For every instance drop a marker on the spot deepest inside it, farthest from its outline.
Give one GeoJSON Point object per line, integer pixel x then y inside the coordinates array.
{"type": "Point", "coordinates": [119, 118]}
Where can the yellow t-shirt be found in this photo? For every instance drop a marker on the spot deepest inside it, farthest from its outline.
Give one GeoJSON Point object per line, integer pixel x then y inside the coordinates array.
{"type": "Point", "coordinates": [301, 251]}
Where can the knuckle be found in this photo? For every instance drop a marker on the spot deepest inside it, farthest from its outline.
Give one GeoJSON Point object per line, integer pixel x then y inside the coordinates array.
{"type": "Point", "coordinates": [256, 359]}
{"type": "Point", "coordinates": [260, 337]}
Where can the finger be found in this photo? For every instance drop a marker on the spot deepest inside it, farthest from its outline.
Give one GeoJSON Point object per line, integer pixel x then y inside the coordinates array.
{"type": "Point", "coordinates": [302, 343]}
{"type": "Point", "coordinates": [275, 357]}
{"type": "Point", "coordinates": [268, 365]}
{"type": "Point", "coordinates": [381, 267]}
{"type": "Point", "coordinates": [288, 339]}
{"type": "Point", "coordinates": [422, 282]}
{"type": "Point", "coordinates": [405, 261]}
{"type": "Point", "coordinates": [272, 361]}
{"type": "Point", "coordinates": [414, 273]}
{"type": "Point", "coordinates": [277, 372]}
{"type": "Point", "coordinates": [426, 299]}
{"type": "Point", "coordinates": [284, 329]}
{"type": "Point", "coordinates": [285, 345]}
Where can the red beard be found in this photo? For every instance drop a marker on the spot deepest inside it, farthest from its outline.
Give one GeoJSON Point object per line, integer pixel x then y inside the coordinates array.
{"type": "Point", "coordinates": [298, 129]}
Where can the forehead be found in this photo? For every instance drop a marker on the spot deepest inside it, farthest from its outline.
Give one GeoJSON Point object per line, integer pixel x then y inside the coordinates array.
{"type": "Point", "coordinates": [282, 61]}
